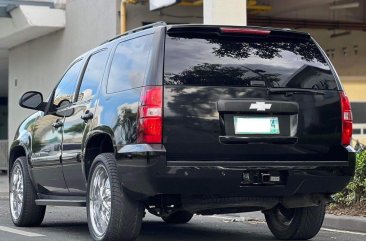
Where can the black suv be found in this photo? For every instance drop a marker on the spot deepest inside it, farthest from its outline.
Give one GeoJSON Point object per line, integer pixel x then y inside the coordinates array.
{"type": "Point", "coordinates": [187, 119]}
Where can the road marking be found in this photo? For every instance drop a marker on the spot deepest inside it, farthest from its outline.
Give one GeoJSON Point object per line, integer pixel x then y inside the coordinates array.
{"type": "Point", "coordinates": [343, 231]}
{"type": "Point", "coordinates": [20, 232]}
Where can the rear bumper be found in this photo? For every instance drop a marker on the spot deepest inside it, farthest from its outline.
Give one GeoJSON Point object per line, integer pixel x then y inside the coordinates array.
{"type": "Point", "coordinates": [145, 172]}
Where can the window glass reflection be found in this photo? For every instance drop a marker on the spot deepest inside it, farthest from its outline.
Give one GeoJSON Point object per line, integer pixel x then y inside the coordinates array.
{"type": "Point", "coordinates": [66, 88]}
{"type": "Point", "coordinates": [278, 62]}
{"type": "Point", "coordinates": [129, 64]}
{"type": "Point", "coordinates": [93, 75]}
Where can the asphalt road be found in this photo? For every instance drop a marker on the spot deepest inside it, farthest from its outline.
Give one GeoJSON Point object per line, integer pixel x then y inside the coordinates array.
{"type": "Point", "coordinates": [70, 224]}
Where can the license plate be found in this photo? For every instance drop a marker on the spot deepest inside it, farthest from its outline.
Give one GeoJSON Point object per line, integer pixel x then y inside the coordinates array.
{"type": "Point", "coordinates": [256, 125]}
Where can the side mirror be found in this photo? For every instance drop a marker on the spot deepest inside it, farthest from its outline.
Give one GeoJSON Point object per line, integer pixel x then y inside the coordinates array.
{"type": "Point", "coordinates": [65, 109]}
{"type": "Point", "coordinates": [32, 100]}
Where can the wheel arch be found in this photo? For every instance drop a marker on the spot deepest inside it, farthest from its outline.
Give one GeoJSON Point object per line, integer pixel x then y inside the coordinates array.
{"type": "Point", "coordinates": [97, 142]}
{"type": "Point", "coordinates": [17, 150]}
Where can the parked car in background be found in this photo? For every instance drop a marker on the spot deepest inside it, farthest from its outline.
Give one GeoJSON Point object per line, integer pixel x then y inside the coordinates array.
{"type": "Point", "coordinates": [187, 119]}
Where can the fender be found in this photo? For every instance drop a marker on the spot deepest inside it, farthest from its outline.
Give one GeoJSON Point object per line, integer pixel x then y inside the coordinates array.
{"type": "Point", "coordinates": [23, 139]}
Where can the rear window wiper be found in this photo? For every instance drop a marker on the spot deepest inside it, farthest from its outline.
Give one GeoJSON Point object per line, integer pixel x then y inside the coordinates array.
{"type": "Point", "coordinates": [292, 91]}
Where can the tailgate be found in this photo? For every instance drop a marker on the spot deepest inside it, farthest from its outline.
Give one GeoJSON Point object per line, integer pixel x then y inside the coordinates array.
{"type": "Point", "coordinates": [221, 103]}
{"type": "Point", "coordinates": [199, 125]}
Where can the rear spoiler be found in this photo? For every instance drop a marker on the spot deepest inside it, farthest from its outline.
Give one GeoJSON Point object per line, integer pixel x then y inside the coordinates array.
{"type": "Point", "coordinates": [249, 31]}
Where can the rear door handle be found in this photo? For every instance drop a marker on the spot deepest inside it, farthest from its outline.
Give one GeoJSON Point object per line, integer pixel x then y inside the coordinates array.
{"type": "Point", "coordinates": [87, 116]}
{"type": "Point", "coordinates": [58, 124]}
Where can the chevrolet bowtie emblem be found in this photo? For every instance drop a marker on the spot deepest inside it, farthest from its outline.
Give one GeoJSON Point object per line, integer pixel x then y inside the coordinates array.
{"type": "Point", "coordinates": [260, 106]}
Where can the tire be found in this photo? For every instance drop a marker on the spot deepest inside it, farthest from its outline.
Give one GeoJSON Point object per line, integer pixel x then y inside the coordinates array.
{"type": "Point", "coordinates": [295, 224]}
{"type": "Point", "coordinates": [178, 217]}
{"type": "Point", "coordinates": [28, 214]}
{"type": "Point", "coordinates": [123, 220]}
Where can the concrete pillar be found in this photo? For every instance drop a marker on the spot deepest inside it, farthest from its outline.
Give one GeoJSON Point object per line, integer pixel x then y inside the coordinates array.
{"type": "Point", "coordinates": [228, 12]}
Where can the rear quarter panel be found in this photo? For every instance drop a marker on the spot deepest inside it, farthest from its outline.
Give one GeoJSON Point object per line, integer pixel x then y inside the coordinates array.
{"type": "Point", "coordinates": [117, 113]}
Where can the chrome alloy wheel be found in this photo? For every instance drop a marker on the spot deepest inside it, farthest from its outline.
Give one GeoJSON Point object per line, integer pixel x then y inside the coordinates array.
{"type": "Point", "coordinates": [16, 192]}
{"type": "Point", "coordinates": [100, 200]}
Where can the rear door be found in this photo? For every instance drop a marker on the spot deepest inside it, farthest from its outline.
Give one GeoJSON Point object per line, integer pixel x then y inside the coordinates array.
{"type": "Point", "coordinates": [76, 125]}
{"type": "Point", "coordinates": [271, 96]}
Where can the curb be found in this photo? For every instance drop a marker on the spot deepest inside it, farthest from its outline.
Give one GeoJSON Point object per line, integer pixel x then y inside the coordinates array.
{"type": "Point", "coordinates": [344, 223]}
{"type": "Point", "coordinates": [348, 223]}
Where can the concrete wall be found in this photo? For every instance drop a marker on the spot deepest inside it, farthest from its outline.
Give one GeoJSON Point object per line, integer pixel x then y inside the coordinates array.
{"type": "Point", "coordinates": [314, 9]}
{"type": "Point", "coordinates": [350, 67]}
{"type": "Point", "coordinates": [39, 64]}
{"type": "Point", "coordinates": [3, 73]}
{"type": "Point", "coordinates": [225, 12]}
{"type": "Point", "coordinates": [351, 64]}
{"type": "Point", "coordinates": [138, 13]}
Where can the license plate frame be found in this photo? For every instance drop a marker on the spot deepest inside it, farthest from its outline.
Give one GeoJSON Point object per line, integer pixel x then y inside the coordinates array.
{"type": "Point", "coordinates": [245, 125]}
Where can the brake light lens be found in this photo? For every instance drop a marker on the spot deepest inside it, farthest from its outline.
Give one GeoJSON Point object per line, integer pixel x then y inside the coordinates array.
{"type": "Point", "coordinates": [150, 121]}
{"type": "Point", "coordinates": [249, 31]}
{"type": "Point", "coordinates": [346, 119]}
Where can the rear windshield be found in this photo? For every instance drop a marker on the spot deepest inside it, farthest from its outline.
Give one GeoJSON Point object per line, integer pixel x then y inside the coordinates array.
{"type": "Point", "coordinates": [219, 61]}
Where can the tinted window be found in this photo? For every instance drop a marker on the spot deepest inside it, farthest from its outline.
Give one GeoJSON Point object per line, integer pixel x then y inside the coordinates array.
{"type": "Point", "coordinates": [359, 112]}
{"type": "Point", "coordinates": [218, 61]}
{"type": "Point", "coordinates": [129, 64]}
{"type": "Point", "coordinates": [356, 131]}
{"type": "Point", "coordinates": [66, 88]}
{"type": "Point", "coordinates": [93, 75]}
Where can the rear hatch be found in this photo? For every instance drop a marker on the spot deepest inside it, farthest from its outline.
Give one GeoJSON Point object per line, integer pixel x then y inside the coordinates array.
{"type": "Point", "coordinates": [249, 95]}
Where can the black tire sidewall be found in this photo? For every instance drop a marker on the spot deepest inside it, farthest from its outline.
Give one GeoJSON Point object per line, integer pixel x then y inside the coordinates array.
{"type": "Point", "coordinates": [31, 214]}
{"type": "Point", "coordinates": [126, 214]}
{"type": "Point", "coordinates": [179, 217]}
{"type": "Point", "coordinates": [280, 230]}
{"type": "Point", "coordinates": [306, 223]}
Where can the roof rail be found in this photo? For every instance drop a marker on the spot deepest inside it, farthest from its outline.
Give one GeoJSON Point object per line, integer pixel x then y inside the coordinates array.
{"type": "Point", "coordinates": [152, 25]}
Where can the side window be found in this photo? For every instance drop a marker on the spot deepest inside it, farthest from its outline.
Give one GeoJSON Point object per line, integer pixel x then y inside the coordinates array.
{"type": "Point", "coordinates": [93, 75]}
{"type": "Point", "coordinates": [66, 87]}
{"type": "Point", "coordinates": [129, 64]}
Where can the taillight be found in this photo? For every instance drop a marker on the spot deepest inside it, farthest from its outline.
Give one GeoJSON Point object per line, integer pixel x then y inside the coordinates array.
{"type": "Point", "coordinates": [346, 119]}
{"type": "Point", "coordinates": [249, 31]}
{"type": "Point", "coordinates": [150, 121]}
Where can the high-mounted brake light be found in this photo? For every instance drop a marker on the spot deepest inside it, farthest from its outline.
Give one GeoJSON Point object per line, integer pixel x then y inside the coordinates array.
{"type": "Point", "coordinates": [150, 121]}
{"type": "Point", "coordinates": [346, 119]}
{"type": "Point", "coordinates": [249, 31]}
